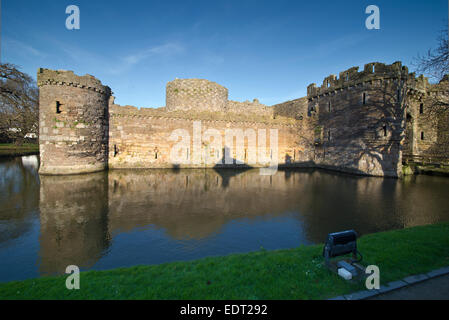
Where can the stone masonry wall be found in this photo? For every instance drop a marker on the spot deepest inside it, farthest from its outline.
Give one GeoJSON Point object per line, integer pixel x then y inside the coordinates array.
{"type": "Point", "coordinates": [295, 109]}
{"type": "Point", "coordinates": [197, 94]}
{"type": "Point", "coordinates": [138, 139]}
{"type": "Point", "coordinates": [428, 121]}
{"type": "Point", "coordinates": [361, 122]}
{"type": "Point", "coordinates": [73, 115]}
{"type": "Point", "coordinates": [358, 120]}
{"type": "Point", "coordinates": [254, 107]}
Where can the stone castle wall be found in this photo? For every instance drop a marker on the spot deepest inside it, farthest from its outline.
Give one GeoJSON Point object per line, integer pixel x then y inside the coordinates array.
{"type": "Point", "coordinates": [360, 122]}
{"type": "Point", "coordinates": [140, 138]}
{"type": "Point", "coordinates": [202, 95]}
{"type": "Point", "coordinates": [197, 94]}
{"type": "Point", "coordinates": [254, 107]}
{"type": "Point", "coordinates": [73, 122]}
{"type": "Point", "coordinates": [427, 139]}
{"type": "Point", "coordinates": [294, 109]}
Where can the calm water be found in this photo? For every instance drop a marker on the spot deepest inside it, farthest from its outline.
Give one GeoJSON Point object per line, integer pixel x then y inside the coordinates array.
{"type": "Point", "coordinates": [124, 218]}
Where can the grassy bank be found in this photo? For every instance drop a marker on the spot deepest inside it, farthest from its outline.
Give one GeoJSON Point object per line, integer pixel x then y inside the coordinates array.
{"type": "Point", "coordinates": [283, 274]}
{"type": "Point", "coordinates": [12, 150]}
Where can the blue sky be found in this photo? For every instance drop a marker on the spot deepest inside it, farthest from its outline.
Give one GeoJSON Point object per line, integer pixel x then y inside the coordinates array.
{"type": "Point", "coordinates": [270, 50]}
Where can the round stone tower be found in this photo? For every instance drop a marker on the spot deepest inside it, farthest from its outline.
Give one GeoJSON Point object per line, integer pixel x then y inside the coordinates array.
{"type": "Point", "coordinates": [195, 94]}
{"type": "Point", "coordinates": [73, 122]}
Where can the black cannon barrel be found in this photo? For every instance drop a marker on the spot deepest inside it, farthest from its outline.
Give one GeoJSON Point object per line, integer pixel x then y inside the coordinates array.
{"type": "Point", "coordinates": [340, 243]}
{"type": "Point", "coordinates": [342, 237]}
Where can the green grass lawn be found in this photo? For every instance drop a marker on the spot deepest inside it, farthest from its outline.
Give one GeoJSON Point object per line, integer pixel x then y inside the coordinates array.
{"type": "Point", "coordinates": [11, 150]}
{"type": "Point", "coordinates": [282, 274]}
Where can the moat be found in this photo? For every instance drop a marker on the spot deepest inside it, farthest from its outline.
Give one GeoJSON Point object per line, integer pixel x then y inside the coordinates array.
{"type": "Point", "coordinates": [128, 217]}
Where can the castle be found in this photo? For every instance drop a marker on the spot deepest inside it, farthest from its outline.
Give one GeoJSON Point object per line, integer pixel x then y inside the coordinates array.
{"type": "Point", "coordinates": [366, 122]}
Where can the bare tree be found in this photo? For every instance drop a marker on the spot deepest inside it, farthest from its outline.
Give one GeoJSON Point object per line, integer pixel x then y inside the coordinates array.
{"type": "Point", "coordinates": [19, 106]}
{"type": "Point", "coordinates": [435, 63]}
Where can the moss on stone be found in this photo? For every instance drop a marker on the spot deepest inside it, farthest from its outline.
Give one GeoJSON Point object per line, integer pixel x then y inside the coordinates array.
{"type": "Point", "coordinates": [407, 170]}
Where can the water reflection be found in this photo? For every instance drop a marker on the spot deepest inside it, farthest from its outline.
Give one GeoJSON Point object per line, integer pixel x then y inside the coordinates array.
{"type": "Point", "coordinates": [31, 162]}
{"type": "Point", "coordinates": [19, 198]}
{"type": "Point", "coordinates": [74, 221]}
{"type": "Point", "coordinates": [129, 217]}
{"type": "Point", "coordinates": [193, 203]}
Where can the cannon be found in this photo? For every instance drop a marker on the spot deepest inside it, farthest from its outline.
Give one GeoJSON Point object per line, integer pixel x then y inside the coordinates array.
{"type": "Point", "coordinates": [341, 244]}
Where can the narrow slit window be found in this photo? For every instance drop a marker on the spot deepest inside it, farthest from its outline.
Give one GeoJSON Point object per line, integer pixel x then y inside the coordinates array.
{"type": "Point", "coordinates": [329, 106]}
{"type": "Point", "coordinates": [422, 135]}
{"type": "Point", "coordinates": [329, 135]}
{"type": "Point", "coordinates": [421, 108]}
{"type": "Point", "coordinates": [364, 98]}
{"type": "Point", "coordinates": [385, 130]}
{"type": "Point", "coordinates": [58, 107]}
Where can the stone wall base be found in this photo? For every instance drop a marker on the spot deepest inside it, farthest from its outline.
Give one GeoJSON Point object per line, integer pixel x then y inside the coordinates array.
{"type": "Point", "coordinates": [75, 169]}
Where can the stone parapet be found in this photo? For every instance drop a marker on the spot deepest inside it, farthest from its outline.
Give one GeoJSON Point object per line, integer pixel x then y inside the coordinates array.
{"type": "Point", "coordinates": [69, 78]}
{"type": "Point", "coordinates": [373, 72]}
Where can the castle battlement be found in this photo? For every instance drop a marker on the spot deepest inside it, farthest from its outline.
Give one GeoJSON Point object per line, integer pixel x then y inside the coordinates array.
{"type": "Point", "coordinates": [350, 123]}
{"type": "Point", "coordinates": [69, 78]}
{"type": "Point", "coordinates": [374, 72]}
{"type": "Point", "coordinates": [235, 112]}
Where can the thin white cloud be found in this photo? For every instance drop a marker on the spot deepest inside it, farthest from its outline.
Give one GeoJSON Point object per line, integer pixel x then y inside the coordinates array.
{"type": "Point", "coordinates": [79, 55]}
{"type": "Point", "coordinates": [164, 50]}
{"type": "Point", "coordinates": [19, 47]}
{"type": "Point", "coordinates": [116, 65]}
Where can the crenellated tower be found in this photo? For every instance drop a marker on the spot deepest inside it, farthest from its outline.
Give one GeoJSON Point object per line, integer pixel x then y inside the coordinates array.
{"type": "Point", "coordinates": [366, 122]}
{"type": "Point", "coordinates": [73, 122]}
{"type": "Point", "coordinates": [359, 118]}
